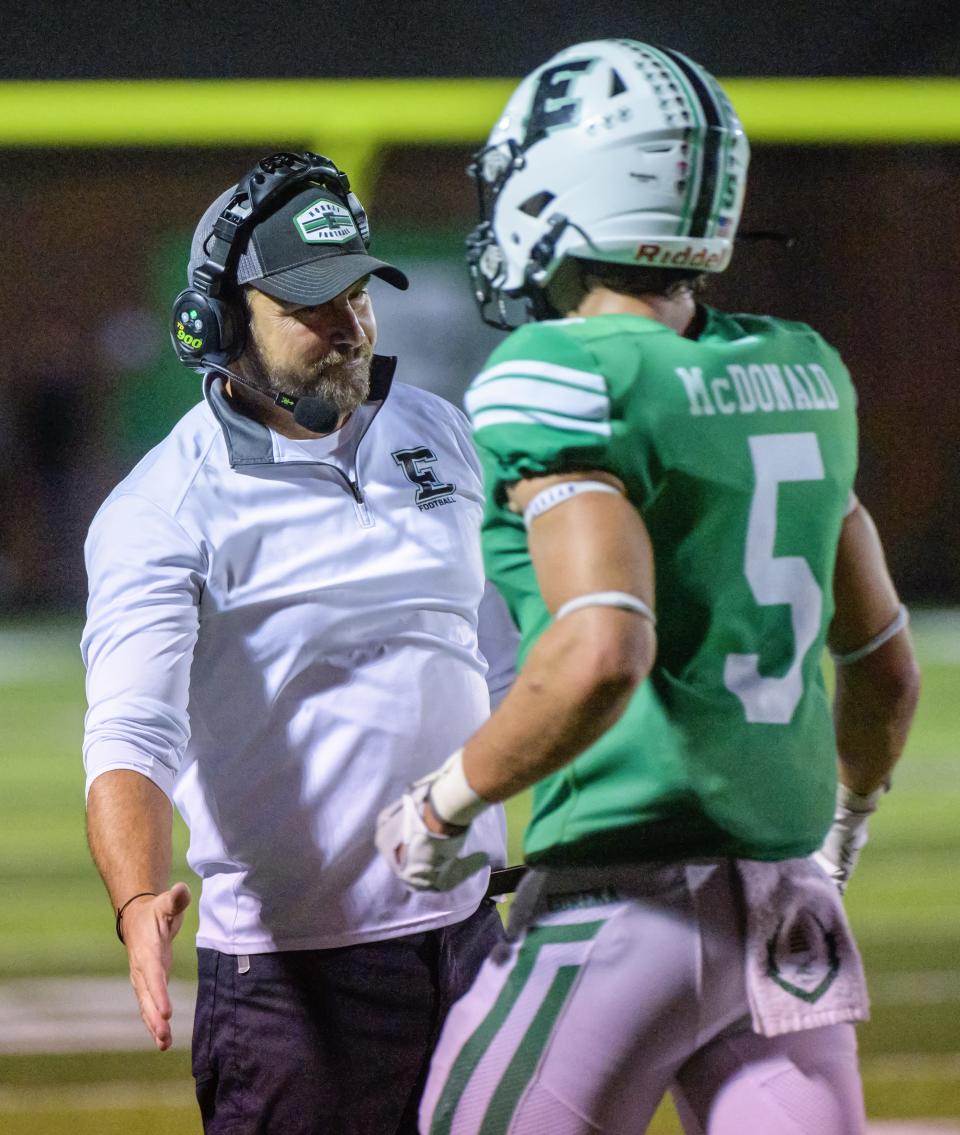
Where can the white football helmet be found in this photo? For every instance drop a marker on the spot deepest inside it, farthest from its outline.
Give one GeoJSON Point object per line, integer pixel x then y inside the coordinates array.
{"type": "Point", "coordinates": [613, 150]}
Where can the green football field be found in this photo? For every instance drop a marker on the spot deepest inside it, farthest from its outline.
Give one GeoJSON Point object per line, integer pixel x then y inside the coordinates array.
{"type": "Point", "coordinates": [55, 920]}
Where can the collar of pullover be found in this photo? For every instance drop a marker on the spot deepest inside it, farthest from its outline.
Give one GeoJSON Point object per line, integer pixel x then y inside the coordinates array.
{"type": "Point", "coordinates": [249, 442]}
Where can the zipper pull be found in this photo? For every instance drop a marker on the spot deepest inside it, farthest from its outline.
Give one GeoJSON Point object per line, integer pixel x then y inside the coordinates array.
{"type": "Point", "coordinates": [364, 514]}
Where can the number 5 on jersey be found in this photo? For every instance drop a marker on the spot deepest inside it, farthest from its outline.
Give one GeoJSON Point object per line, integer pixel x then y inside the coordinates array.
{"type": "Point", "coordinates": [777, 580]}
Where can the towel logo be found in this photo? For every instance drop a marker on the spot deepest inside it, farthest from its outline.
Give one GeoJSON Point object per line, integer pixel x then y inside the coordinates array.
{"type": "Point", "coordinates": [431, 492]}
{"type": "Point", "coordinates": [802, 957]}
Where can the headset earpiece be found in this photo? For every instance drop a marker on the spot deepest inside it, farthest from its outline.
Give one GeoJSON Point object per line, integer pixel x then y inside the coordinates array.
{"type": "Point", "coordinates": [205, 329]}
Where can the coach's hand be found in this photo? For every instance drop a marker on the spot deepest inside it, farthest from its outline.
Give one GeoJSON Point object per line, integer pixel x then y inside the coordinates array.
{"type": "Point", "coordinates": [423, 859]}
{"type": "Point", "coordinates": [149, 927]}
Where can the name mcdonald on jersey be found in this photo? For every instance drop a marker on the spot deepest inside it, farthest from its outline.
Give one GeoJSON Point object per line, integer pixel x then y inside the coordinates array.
{"type": "Point", "coordinates": [763, 387]}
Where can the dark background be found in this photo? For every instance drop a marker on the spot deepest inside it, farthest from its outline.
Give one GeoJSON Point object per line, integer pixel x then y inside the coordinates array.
{"type": "Point", "coordinates": [94, 241]}
{"type": "Point", "coordinates": [277, 38]}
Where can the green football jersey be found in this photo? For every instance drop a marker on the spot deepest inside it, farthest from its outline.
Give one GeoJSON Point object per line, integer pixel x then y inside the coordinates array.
{"type": "Point", "coordinates": [738, 449]}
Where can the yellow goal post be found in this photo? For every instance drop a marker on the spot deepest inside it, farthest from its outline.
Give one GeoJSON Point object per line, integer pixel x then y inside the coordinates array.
{"type": "Point", "coordinates": [353, 119]}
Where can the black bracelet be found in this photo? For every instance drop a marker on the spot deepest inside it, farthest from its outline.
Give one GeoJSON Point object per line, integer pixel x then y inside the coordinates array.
{"type": "Point", "coordinates": [121, 909]}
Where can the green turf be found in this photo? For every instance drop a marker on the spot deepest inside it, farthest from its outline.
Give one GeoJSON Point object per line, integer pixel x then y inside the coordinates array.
{"type": "Point", "coordinates": [24, 1072]}
{"type": "Point", "coordinates": [134, 1121]}
{"type": "Point", "coordinates": [55, 918]}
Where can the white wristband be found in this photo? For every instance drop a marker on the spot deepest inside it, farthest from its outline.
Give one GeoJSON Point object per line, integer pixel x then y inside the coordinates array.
{"type": "Point", "coordinates": [621, 599]}
{"type": "Point", "coordinates": [452, 799]}
{"type": "Point", "coordinates": [900, 621]}
{"type": "Point", "coordinates": [854, 802]}
{"type": "Point", "coordinates": [553, 495]}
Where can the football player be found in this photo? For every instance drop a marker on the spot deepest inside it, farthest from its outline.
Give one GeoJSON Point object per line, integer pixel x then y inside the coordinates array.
{"type": "Point", "coordinates": [671, 519]}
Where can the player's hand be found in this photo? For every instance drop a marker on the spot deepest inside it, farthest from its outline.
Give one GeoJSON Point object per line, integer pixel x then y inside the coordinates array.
{"type": "Point", "coordinates": [423, 859]}
{"type": "Point", "coordinates": [149, 927]}
{"type": "Point", "coordinates": [847, 835]}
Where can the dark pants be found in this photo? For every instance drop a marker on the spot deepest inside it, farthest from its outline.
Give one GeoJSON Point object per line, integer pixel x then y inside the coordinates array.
{"type": "Point", "coordinates": [329, 1042]}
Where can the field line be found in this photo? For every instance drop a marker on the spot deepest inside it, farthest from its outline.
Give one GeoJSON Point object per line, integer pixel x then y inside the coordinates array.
{"type": "Point", "coordinates": [55, 1015]}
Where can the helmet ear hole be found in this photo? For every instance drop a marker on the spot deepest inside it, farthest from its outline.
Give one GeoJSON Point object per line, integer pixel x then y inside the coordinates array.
{"type": "Point", "coordinates": [534, 206]}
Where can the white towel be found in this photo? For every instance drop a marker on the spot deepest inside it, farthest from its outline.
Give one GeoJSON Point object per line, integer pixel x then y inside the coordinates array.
{"type": "Point", "coordinates": [803, 969]}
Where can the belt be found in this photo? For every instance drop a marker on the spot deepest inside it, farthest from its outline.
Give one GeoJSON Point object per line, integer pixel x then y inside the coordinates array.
{"type": "Point", "coordinates": [504, 880]}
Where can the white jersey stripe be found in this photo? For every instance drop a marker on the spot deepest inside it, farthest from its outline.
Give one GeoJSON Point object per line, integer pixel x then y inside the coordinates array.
{"type": "Point", "coordinates": [529, 392]}
{"type": "Point", "coordinates": [531, 417]}
{"type": "Point", "coordinates": [536, 368]}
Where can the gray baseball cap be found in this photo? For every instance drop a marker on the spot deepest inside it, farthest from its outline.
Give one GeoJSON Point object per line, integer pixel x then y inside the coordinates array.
{"type": "Point", "coordinates": [307, 251]}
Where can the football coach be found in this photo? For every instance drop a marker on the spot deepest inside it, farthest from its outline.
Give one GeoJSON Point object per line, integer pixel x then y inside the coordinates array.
{"type": "Point", "coordinates": [286, 627]}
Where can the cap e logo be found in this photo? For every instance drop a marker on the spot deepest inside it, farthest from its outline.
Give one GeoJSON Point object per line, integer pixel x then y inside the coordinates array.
{"type": "Point", "coordinates": [325, 222]}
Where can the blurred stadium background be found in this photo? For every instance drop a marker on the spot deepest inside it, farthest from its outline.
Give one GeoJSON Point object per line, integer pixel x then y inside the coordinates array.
{"type": "Point", "coordinates": [119, 125]}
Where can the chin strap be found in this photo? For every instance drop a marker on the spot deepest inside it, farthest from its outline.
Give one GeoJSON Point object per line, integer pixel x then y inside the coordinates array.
{"type": "Point", "coordinates": [753, 235]}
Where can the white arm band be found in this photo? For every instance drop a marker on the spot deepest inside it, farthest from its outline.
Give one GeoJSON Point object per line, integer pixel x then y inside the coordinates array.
{"type": "Point", "coordinates": [563, 491]}
{"type": "Point", "coordinates": [619, 599]}
{"type": "Point", "coordinates": [901, 620]}
{"type": "Point", "coordinates": [861, 805]}
{"type": "Point", "coordinates": [452, 799]}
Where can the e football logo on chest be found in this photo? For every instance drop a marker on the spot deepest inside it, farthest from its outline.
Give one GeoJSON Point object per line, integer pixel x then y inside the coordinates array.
{"type": "Point", "coordinates": [431, 491]}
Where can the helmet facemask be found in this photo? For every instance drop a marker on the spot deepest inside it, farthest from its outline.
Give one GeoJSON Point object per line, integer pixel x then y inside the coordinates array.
{"type": "Point", "coordinates": [490, 169]}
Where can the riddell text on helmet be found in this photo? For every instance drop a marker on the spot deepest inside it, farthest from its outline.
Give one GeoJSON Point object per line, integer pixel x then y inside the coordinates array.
{"type": "Point", "coordinates": [679, 257]}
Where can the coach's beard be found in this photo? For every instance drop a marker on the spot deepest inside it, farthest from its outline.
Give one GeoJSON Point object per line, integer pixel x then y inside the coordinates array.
{"type": "Point", "coordinates": [335, 378]}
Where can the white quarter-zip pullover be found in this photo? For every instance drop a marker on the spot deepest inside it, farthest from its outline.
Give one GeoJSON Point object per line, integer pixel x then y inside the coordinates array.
{"type": "Point", "coordinates": [282, 635]}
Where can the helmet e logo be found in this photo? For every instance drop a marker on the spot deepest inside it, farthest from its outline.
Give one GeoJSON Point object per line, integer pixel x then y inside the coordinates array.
{"type": "Point", "coordinates": [552, 106]}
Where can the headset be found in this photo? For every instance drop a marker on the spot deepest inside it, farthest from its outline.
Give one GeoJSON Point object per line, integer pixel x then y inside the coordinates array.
{"type": "Point", "coordinates": [208, 322]}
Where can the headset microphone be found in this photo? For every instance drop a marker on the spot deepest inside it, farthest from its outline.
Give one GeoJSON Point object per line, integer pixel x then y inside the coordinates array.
{"type": "Point", "coordinates": [318, 415]}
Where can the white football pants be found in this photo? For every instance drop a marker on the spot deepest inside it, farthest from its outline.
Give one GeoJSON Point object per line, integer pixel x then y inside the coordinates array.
{"type": "Point", "coordinates": [602, 1007]}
